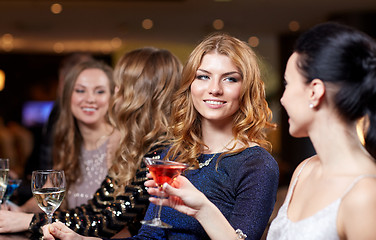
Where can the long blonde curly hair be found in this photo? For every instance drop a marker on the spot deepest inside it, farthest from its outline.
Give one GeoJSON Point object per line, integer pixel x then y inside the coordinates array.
{"type": "Point", "coordinates": [67, 137]}
{"type": "Point", "coordinates": [249, 122]}
{"type": "Point", "coordinates": [146, 80]}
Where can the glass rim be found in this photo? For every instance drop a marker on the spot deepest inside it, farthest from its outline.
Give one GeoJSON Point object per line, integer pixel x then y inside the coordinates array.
{"type": "Point", "coordinates": [47, 171]}
{"type": "Point", "coordinates": [167, 161]}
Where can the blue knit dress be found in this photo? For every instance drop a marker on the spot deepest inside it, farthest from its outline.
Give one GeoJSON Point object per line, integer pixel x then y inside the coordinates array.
{"type": "Point", "coordinates": [243, 187]}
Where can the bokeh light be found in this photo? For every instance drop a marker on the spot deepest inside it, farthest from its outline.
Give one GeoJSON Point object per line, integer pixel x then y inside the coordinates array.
{"type": "Point", "coordinates": [218, 24]}
{"type": "Point", "coordinates": [253, 41]}
{"type": "Point", "coordinates": [294, 26]}
{"type": "Point", "coordinates": [56, 8]}
{"type": "Point", "coordinates": [147, 24]}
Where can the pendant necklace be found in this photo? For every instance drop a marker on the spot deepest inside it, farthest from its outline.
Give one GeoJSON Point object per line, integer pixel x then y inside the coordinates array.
{"type": "Point", "coordinates": [207, 162]}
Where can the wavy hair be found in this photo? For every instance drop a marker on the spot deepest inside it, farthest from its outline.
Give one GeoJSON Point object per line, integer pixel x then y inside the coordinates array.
{"type": "Point", "coordinates": [67, 137]}
{"type": "Point", "coordinates": [146, 80]}
{"type": "Point", "coordinates": [249, 122]}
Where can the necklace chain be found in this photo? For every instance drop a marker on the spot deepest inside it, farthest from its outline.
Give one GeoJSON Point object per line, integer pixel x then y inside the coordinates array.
{"type": "Point", "coordinates": [207, 162]}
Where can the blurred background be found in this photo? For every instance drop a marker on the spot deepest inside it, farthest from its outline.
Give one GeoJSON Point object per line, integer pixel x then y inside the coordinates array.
{"type": "Point", "coordinates": [35, 35]}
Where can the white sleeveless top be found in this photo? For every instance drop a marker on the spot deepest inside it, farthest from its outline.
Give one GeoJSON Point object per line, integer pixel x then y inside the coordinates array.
{"type": "Point", "coordinates": [322, 225]}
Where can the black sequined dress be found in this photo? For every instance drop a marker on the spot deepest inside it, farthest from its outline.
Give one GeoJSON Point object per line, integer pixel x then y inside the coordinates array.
{"type": "Point", "coordinates": [104, 215]}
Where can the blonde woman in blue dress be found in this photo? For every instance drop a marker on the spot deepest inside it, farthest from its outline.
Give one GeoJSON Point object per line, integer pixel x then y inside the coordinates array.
{"type": "Point", "coordinates": [330, 85]}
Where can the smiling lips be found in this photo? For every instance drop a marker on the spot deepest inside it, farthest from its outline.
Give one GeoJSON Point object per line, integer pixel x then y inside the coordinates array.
{"type": "Point", "coordinates": [87, 109]}
{"type": "Point", "coordinates": [215, 102]}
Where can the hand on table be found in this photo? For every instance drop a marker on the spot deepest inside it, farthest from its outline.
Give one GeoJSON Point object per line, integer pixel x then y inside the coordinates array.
{"type": "Point", "coordinates": [11, 221]}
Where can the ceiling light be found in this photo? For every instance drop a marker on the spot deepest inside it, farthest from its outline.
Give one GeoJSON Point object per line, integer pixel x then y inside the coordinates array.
{"type": "Point", "coordinates": [58, 47]}
{"type": "Point", "coordinates": [294, 26]}
{"type": "Point", "coordinates": [253, 41]}
{"type": "Point", "coordinates": [56, 8]}
{"type": "Point", "coordinates": [218, 24]}
{"type": "Point", "coordinates": [147, 24]}
{"type": "Point", "coordinates": [116, 42]}
{"type": "Point", "coordinates": [2, 80]}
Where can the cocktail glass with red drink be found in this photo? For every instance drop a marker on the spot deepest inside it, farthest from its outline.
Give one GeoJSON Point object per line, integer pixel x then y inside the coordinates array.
{"type": "Point", "coordinates": [162, 172]}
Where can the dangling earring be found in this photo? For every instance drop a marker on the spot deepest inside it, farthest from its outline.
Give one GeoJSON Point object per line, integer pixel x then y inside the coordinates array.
{"type": "Point", "coordinates": [311, 105]}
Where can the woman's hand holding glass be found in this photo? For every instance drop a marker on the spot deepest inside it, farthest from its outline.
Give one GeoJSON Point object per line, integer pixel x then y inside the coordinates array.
{"type": "Point", "coordinates": [187, 199]}
{"type": "Point", "coordinates": [58, 230]}
{"type": "Point", "coordinates": [182, 196]}
{"type": "Point", "coordinates": [48, 187]}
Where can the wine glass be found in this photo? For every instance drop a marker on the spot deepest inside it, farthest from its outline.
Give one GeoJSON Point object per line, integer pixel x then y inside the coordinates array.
{"type": "Point", "coordinates": [162, 172]}
{"type": "Point", "coordinates": [48, 187]}
{"type": "Point", "coordinates": [4, 171]}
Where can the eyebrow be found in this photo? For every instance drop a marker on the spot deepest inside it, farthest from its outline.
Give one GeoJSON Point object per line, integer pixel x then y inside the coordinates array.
{"type": "Point", "coordinates": [225, 74]}
{"type": "Point", "coordinates": [202, 70]}
{"type": "Point", "coordinates": [84, 86]}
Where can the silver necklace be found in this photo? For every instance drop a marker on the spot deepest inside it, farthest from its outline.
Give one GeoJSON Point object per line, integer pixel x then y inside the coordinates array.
{"type": "Point", "coordinates": [207, 162]}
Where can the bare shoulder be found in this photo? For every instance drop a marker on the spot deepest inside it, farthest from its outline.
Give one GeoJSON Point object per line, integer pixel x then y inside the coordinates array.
{"type": "Point", "coordinates": [357, 214]}
{"type": "Point", "coordinates": [308, 165]}
{"type": "Point", "coordinates": [362, 193]}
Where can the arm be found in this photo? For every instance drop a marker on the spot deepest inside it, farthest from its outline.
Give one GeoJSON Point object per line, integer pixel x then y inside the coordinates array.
{"type": "Point", "coordinates": [105, 214]}
{"type": "Point", "coordinates": [11, 221]}
{"type": "Point", "coordinates": [31, 206]}
{"type": "Point", "coordinates": [252, 184]}
{"type": "Point", "coordinates": [357, 213]}
{"type": "Point", "coordinates": [188, 200]}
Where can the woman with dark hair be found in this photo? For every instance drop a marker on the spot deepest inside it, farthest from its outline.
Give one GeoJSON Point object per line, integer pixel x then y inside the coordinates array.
{"type": "Point", "coordinates": [330, 85]}
{"type": "Point", "coordinates": [220, 117]}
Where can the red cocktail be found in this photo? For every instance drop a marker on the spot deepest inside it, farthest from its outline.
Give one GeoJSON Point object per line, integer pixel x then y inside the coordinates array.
{"type": "Point", "coordinates": [165, 173]}
{"type": "Point", "coordinates": [162, 172]}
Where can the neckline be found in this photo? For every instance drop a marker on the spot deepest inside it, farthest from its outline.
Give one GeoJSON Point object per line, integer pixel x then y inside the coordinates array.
{"type": "Point", "coordinates": [336, 201]}
{"type": "Point", "coordinates": [319, 212]}
{"type": "Point", "coordinates": [206, 155]}
{"type": "Point", "coordinates": [99, 148]}
{"type": "Point", "coordinates": [209, 157]}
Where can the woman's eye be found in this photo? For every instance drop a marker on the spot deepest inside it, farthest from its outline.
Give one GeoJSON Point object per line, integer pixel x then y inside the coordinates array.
{"type": "Point", "coordinates": [79, 90]}
{"type": "Point", "coordinates": [202, 77]}
{"type": "Point", "coordinates": [101, 91]}
{"type": "Point", "coordinates": [231, 79]}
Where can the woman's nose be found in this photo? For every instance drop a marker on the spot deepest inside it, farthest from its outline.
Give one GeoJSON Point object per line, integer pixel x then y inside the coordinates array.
{"type": "Point", "coordinates": [90, 97]}
{"type": "Point", "coordinates": [215, 87]}
{"type": "Point", "coordinates": [281, 99]}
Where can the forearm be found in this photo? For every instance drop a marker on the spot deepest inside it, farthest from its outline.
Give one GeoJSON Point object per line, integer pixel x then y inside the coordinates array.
{"type": "Point", "coordinates": [215, 224]}
{"type": "Point", "coordinates": [31, 206]}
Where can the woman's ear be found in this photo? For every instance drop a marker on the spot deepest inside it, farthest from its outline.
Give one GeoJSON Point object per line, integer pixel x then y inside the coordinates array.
{"type": "Point", "coordinates": [317, 91]}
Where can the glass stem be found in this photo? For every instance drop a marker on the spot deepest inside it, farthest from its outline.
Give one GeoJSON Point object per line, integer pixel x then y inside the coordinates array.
{"type": "Point", "coordinates": [49, 216]}
{"type": "Point", "coordinates": [159, 209]}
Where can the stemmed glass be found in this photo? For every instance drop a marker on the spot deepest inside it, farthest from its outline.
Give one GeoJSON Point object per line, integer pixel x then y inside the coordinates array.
{"type": "Point", "coordinates": [162, 172]}
{"type": "Point", "coordinates": [4, 171]}
{"type": "Point", "coordinates": [48, 187]}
